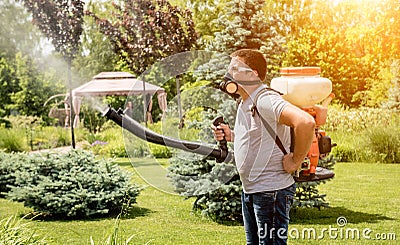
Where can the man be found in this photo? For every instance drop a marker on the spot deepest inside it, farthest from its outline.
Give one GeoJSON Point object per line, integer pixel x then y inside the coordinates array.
{"type": "Point", "coordinates": [266, 175]}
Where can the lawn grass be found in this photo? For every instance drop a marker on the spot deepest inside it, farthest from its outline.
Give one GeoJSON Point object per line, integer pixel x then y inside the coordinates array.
{"type": "Point", "coordinates": [366, 194]}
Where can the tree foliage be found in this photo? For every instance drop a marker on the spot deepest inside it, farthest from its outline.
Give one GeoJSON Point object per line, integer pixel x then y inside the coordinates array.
{"type": "Point", "coordinates": [246, 25]}
{"type": "Point", "coordinates": [96, 51]}
{"type": "Point", "coordinates": [205, 17]}
{"type": "Point", "coordinates": [8, 85]}
{"type": "Point", "coordinates": [25, 88]}
{"type": "Point", "coordinates": [17, 34]}
{"type": "Point", "coordinates": [394, 91]}
{"type": "Point", "coordinates": [387, 29]}
{"type": "Point", "coordinates": [61, 21]}
{"type": "Point", "coordinates": [143, 31]}
{"type": "Point", "coordinates": [335, 55]}
{"type": "Point", "coordinates": [351, 42]}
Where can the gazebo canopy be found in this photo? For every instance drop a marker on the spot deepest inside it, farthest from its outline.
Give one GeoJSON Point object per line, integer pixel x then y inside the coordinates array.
{"type": "Point", "coordinates": [115, 83]}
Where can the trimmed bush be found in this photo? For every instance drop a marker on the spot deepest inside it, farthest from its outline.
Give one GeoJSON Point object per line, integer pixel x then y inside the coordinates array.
{"type": "Point", "coordinates": [73, 185]}
{"type": "Point", "coordinates": [9, 164]}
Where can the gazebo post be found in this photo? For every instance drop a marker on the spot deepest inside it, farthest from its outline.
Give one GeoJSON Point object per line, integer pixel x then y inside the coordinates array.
{"type": "Point", "coordinates": [144, 103]}
{"type": "Point", "coordinates": [178, 96]}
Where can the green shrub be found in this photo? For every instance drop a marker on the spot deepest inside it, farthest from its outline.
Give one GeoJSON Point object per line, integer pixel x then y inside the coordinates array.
{"type": "Point", "coordinates": [384, 144]}
{"type": "Point", "coordinates": [16, 231]}
{"type": "Point", "coordinates": [136, 147]}
{"type": "Point", "coordinates": [357, 119]}
{"type": "Point", "coordinates": [56, 136]}
{"type": "Point", "coordinates": [13, 140]}
{"type": "Point", "coordinates": [74, 185]}
{"type": "Point", "coordinates": [364, 134]}
{"type": "Point", "coordinates": [114, 142]}
{"type": "Point", "coordinates": [4, 123]}
{"type": "Point", "coordinates": [345, 153]}
{"type": "Point", "coordinates": [216, 186]}
{"type": "Point", "coordinates": [9, 164]}
{"type": "Point", "coordinates": [108, 142]}
{"type": "Point", "coordinates": [348, 147]}
{"type": "Point", "coordinates": [24, 121]}
{"type": "Point", "coordinates": [159, 151]}
{"type": "Point", "coordinates": [19, 139]}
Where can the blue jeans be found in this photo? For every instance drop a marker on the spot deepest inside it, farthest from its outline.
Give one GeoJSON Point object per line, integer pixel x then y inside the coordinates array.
{"type": "Point", "coordinates": [266, 215]}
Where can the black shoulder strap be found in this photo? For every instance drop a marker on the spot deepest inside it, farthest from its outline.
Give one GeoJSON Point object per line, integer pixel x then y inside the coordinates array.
{"type": "Point", "coordinates": [265, 123]}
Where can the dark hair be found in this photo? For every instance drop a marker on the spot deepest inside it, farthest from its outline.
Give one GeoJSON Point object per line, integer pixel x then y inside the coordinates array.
{"type": "Point", "coordinates": [254, 59]}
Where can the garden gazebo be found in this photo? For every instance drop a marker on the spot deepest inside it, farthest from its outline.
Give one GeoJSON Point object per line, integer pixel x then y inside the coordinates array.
{"type": "Point", "coordinates": [116, 83]}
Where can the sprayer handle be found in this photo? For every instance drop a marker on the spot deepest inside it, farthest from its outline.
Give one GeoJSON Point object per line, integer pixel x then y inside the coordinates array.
{"type": "Point", "coordinates": [223, 144]}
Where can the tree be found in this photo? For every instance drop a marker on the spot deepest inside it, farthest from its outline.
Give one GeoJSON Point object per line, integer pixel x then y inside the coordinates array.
{"type": "Point", "coordinates": [96, 51]}
{"type": "Point", "coordinates": [205, 18]}
{"type": "Point", "coordinates": [338, 38]}
{"type": "Point", "coordinates": [33, 88]}
{"type": "Point", "coordinates": [143, 31]}
{"type": "Point", "coordinates": [246, 25]}
{"type": "Point", "coordinates": [17, 34]}
{"type": "Point", "coordinates": [394, 92]}
{"type": "Point", "coordinates": [8, 85]}
{"type": "Point", "coordinates": [385, 15]}
{"type": "Point", "coordinates": [61, 21]}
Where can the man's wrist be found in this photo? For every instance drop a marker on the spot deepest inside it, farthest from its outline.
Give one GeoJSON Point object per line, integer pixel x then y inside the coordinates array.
{"type": "Point", "coordinates": [298, 159]}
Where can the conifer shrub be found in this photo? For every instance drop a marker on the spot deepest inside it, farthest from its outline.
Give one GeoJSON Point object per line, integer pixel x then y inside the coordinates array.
{"type": "Point", "coordinates": [216, 186]}
{"type": "Point", "coordinates": [307, 194]}
{"type": "Point", "coordinates": [71, 185]}
{"type": "Point", "coordinates": [9, 164]}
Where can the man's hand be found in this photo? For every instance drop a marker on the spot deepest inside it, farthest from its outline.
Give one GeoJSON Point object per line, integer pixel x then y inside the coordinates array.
{"type": "Point", "coordinates": [303, 125]}
{"type": "Point", "coordinates": [290, 164]}
{"type": "Point", "coordinates": [221, 131]}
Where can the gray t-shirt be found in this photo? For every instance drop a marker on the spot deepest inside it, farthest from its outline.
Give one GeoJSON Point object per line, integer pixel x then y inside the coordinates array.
{"type": "Point", "coordinates": [258, 159]}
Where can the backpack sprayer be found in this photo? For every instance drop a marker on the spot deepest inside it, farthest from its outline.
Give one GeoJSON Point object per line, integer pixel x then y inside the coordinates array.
{"type": "Point", "coordinates": [305, 88]}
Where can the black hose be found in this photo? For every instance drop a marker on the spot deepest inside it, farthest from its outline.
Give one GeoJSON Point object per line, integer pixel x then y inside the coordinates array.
{"type": "Point", "coordinates": [221, 155]}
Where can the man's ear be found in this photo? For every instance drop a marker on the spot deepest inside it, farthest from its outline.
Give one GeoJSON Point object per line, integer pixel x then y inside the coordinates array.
{"type": "Point", "coordinates": [255, 72]}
